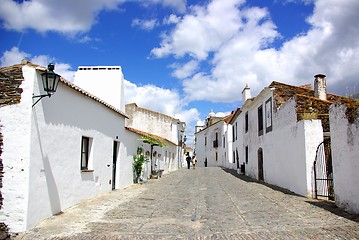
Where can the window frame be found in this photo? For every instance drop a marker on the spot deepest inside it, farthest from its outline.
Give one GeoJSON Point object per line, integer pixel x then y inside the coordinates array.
{"type": "Point", "coordinates": [268, 115]}
{"type": "Point", "coordinates": [86, 145]}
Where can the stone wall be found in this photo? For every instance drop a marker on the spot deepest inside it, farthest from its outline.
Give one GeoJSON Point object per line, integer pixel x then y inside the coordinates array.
{"type": "Point", "coordinates": [10, 93]}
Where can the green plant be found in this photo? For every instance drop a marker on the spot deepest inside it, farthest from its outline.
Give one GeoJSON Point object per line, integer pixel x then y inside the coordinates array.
{"type": "Point", "coordinates": [138, 161]}
{"type": "Point", "coordinates": [152, 141]}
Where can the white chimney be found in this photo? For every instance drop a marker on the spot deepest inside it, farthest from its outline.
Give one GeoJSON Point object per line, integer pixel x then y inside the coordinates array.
{"type": "Point", "coordinates": [246, 94]}
{"type": "Point", "coordinates": [320, 86]}
{"type": "Point", "coordinates": [105, 82]}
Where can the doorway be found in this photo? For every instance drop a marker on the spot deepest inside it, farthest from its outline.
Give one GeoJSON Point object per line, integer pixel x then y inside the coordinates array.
{"type": "Point", "coordinates": [260, 165]}
{"type": "Point", "coordinates": [114, 163]}
{"type": "Point", "coordinates": [323, 172]}
{"type": "Point", "coordinates": [237, 158]}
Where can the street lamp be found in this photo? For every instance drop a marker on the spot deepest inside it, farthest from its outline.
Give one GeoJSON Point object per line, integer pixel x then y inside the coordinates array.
{"type": "Point", "coordinates": [50, 80]}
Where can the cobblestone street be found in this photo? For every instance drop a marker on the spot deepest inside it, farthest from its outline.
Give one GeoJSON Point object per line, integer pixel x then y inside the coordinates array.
{"type": "Point", "coordinates": [206, 203]}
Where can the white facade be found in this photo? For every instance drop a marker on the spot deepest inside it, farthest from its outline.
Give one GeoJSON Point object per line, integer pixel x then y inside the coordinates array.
{"type": "Point", "coordinates": [105, 82]}
{"type": "Point", "coordinates": [345, 152]}
{"type": "Point", "coordinates": [283, 152]}
{"type": "Point", "coordinates": [163, 126]}
{"type": "Point", "coordinates": [212, 148]}
{"type": "Point", "coordinates": [42, 152]}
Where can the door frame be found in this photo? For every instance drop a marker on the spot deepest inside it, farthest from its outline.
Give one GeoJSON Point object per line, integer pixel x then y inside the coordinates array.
{"type": "Point", "coordinates": [116, 145]}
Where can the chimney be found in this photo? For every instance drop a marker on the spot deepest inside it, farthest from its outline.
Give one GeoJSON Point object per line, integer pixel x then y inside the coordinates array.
{"type": "Point", "coordinates": [320, 86]}
{"type": "Point", "coordinates": [246, 94]}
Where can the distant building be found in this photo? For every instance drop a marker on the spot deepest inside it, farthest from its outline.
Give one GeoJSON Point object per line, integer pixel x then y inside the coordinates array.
{"type": "Point", "coordinates": [212, 140]}
{"type": "Point", "coordinates": [158, 125]}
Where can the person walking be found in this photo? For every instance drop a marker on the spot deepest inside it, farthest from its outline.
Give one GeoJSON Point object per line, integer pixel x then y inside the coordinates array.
{"type": "Point", "coordinates": [188, 159]}
{"type": "Point", "coordinates": [194, 161]}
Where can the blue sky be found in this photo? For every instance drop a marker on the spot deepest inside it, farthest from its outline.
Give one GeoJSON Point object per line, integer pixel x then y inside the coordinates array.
{"type": "Point", "coordinates": [185, 57]}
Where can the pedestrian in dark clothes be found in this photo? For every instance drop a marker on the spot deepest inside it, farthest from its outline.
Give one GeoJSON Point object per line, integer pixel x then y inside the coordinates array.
{"type": "Point", "coordinates": [188, 159]}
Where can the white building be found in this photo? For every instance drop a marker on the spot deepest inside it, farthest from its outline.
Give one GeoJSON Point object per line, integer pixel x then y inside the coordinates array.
{"type": "Point", "coordinates": [157, 125]}
{"type": "Point", "coordinates": [213, 142]}
{"type": "Point", "coordinates": [59, 152]}
{"type": "Point", "coordinates": [283, 128]}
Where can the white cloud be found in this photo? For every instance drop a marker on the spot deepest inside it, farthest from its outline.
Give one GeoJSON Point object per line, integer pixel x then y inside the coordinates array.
{"type": "Point", "coordinates": [15, 55]}
{"type": "Point", "coordinates": [185, 70]}
{"type": "Point", "coordinates": [144, 24]}
{"type": "Point", "coordinates": [71, 17]}
{"type": "Point", "coordinates": [42, 15]}
{"type": "Point", "coordinates": [178, 5]}
{"type": "Point", "coordinates": [171, 19]}
{"type": "Point", "coordinates": [202, 31]}
{"type": "Point", "coordinates": [237, 43]}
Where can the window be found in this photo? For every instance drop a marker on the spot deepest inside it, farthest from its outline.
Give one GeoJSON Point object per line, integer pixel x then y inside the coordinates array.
{"type": "Point", "coordinates": [260, 120]}
{"type": "Point", "coordinates": [205, 141]}
{"type": "Point", "coordinates": [268, 115]}
{"type": "Point", "coordinates": [234, 157]}
{"type": "Point", "coordinates": [246, 122]}
{"type": "Point", "coordinates": [216, 156]}
{"type": "Point", "coordinates": [85, 152]}
{"type": "Point", "coordinates": [224, 141]}
{"type": "Point", "coordinates": [215, 142]}
{"type": "Point", "coordinates": [246, 154]}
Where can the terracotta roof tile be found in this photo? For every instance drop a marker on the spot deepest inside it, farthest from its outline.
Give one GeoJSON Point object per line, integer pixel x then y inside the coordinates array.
{"type": "Point", "coordinates": [147, 134]}
{"type": "Point", "coordinates": [308, 106]}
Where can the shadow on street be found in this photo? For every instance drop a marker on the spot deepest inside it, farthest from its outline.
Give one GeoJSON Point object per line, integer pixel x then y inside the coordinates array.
{"type": "Point", "coordinates": [326, 205]}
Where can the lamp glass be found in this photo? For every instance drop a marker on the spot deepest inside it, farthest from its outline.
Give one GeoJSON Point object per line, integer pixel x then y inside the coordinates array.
{"type": "Point", "coordinates": [50, 80]}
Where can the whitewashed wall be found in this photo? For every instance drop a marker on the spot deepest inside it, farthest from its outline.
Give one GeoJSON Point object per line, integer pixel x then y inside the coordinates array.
{"type": "Point", "coordinates": [288, 150]}
{"type": "Point", "coordinates": [227, 151]}
{"type": "Point", "coordinates": [163, 126]}
{"type": "Point", "coordinates": [42, 153]}
{"type": "Point", "coordinates": [204, 150]}
{"type": "Point", "coordinates": [16, 130]}
{"type": "Point", "coordinates": [153, 122]}
{"type": "Point", "coordinates": [200, 147]}
{"type": "Point", "coordinates": [238, 144]}
{"type": "Point", "coordinates": [345, 156]}
{"type": "Point", "coordinates": [58, 124]}
{"type": "Point", "coordinates": [133, 141]}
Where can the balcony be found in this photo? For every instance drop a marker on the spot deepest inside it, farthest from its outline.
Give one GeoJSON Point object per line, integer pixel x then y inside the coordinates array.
{"type": "Point", "coordinates": [215, 143]}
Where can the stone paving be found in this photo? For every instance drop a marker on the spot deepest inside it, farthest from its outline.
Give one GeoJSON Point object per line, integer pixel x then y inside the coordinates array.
{"type": "Point", "coordinates": [206, 203]}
